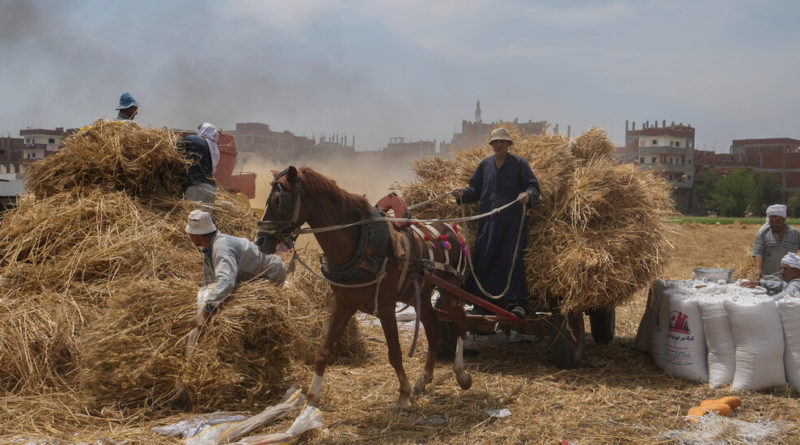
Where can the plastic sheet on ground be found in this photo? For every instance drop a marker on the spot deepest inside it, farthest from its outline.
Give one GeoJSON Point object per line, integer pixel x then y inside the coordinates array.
{"type": "Point", "coordinates": [499, 413]}
{"type": "Point", "coordinates": [231, 431]}
{"type": "Point", "coordinates": [193, 425]}
{"type": "Point", "coordinates": [715, 429]}
{"type": "Point", "coordinates": [309, 419]}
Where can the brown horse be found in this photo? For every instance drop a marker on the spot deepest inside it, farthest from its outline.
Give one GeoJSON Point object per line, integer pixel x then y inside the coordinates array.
{"type": "Point", "coordinates": [368, 272]}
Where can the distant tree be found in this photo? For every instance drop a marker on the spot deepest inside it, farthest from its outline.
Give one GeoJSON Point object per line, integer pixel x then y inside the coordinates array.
{"type": "Point", "coordinates": [767, 192]}
{"type": "Point", "coordinates": [733, 194]}
{"type": "Point", "coordinates": [704, 186]}
{"type": "Point", "coordinates": [793, 206]}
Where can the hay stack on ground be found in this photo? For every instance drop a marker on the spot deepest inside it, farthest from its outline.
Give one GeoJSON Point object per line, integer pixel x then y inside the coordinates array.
{"type": "Point", "coordinates": [112, 155]}
{"type": "Point", "coordinates": [598, 233]}
{"type": "Point", "coordinates": [99, 288]}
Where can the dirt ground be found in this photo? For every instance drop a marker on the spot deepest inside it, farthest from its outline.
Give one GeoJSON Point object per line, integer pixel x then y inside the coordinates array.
{"type": "Point", "coordinates": [617, 395]}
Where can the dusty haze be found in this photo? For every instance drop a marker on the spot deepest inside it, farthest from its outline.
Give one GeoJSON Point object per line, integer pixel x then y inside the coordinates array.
{"type": "Point", "coordinates": [370, 177]}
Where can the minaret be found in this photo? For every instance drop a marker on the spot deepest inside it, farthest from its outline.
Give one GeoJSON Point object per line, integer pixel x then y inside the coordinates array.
{"type": "Point", "coordinates": [478, 111]}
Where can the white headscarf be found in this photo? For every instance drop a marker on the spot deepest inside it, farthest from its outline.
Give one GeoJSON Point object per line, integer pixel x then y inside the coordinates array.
{"type": "Point", "coordinates": [792, 260]}
{"type": "Point", "coordinates": [211, 135]}
{"type": "Point", "coordinates": [776, 210]}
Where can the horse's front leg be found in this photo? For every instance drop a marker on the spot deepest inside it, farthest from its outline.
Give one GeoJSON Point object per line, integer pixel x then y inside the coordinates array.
{"type": "Point", "coordinates": [433, 334]}
{"type": "Point", "coordinates": [389, 325]}
{"type": "Point", "coordinates": [455, 311]}
{"type": "Point", "coordinates": [339, 318]}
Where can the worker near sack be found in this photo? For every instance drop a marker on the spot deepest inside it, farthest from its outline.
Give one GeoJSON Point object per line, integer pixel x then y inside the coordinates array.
{"type": "Point", "coordinates": [228, 260]}
{"type": "Point", "coordinates": [128, 107]}
{"type": "Point", "coordinates": [773, 241]}
{"type": "Point", "coordinates": [499, 180]}
{"type": "Point", "coordinates": [202, 150]}
{"type": "Point", "coordinates": [789, 284]}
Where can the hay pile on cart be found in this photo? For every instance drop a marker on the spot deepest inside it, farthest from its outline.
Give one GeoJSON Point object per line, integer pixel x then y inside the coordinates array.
{"type": "Point", "coordinates": [99, 286]}
{"type": "Point", "coordinates": [597, 235]}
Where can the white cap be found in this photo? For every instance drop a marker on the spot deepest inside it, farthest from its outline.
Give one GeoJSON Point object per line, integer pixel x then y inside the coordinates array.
{"type": "Point", "coordinates": [200, 223]}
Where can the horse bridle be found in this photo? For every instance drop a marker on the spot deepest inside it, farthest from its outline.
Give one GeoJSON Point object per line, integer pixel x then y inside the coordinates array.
{"type": "Point", "coordinates": [281, 230]}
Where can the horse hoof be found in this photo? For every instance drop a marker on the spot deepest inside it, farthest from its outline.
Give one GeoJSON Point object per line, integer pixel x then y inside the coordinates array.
{"type": "Point", "coordinates": [465, 381]}
{"type": "Point", "coordinates": [419, 387]}
{"type": "Point", "coordinates": [402, 407]}
{"type": "Point", "coordinates": [311, 398]}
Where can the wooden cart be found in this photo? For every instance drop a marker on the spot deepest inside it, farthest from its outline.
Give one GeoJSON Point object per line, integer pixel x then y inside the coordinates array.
{"type": "Point", "coordinates": [567, 331]}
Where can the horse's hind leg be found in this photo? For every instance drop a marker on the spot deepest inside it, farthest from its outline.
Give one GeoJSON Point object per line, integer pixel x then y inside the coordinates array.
{"type": "Point", "coordinates": [455, 311]}
{"type": "Point", "coordinates": [389, 325]}
{"type": "Point", "coordinates": [433, 334]}
{"type": "Point", "coordinates": [339, 317]}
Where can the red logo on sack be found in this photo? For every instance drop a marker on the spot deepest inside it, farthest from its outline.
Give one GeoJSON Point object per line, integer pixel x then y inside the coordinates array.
{"type": "Point", "coordinates": [679, 322]}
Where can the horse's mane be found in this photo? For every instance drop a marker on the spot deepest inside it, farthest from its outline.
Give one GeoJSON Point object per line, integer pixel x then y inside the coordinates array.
{"type": "Point", "coordinates": [317, 183]}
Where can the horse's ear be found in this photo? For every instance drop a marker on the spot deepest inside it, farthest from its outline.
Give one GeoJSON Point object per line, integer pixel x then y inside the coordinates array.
{"type": "Point", "coordinates": [291, 174]}
{"type": "Point", "coordinates": [274, 173]}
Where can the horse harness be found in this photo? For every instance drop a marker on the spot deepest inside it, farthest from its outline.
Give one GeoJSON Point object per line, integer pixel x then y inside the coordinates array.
{"type": "Point", "coordinates": [375, 242]}
{"type": "Point", "coordinates": [281, 229]}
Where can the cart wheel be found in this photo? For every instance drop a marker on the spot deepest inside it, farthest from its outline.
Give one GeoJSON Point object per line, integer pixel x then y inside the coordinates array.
{"type": "Point", "coordinates": [447, 341]}
{"type": "Point", "coordinates": [602, 323]}
{"type": "Point", "coordinates": [570, 338]}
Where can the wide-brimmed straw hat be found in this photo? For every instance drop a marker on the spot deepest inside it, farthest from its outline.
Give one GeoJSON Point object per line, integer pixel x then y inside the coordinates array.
{"type": "Point", "coordinates": [200, 223]}
{"type": "Point", "coordinates": [500, 134]}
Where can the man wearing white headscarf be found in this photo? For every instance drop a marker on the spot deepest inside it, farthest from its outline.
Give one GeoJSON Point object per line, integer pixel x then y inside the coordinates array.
{"type": "Point", "coordinates": [202, 150]}
{"type": "Point", "coordinates": [211, 135]}
{"type": "Point", "coordinates": [789, 284]}
{"type": "Point", "coordinates": [773, 241]}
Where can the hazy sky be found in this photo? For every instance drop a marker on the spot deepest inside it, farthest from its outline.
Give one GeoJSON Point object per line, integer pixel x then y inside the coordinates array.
{"type": "Point", "coordinates": [411, 68]}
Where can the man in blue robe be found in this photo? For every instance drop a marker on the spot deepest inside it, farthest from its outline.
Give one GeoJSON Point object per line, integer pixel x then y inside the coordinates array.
{"type": "Point", "coordinates": [498, 180]}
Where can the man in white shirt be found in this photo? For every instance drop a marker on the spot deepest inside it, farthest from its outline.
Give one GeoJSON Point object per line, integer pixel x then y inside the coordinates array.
{"type": "Point", "coordinates": [228, 260]}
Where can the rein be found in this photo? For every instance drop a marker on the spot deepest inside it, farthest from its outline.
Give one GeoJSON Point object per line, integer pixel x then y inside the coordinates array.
{"type": "Point", "coordinates": [309, 230]}
{"type": "Point", "coordinates": [513, 260]}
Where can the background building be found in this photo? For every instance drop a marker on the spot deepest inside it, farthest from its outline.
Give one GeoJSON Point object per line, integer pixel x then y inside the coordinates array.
{"type": "Point", "coordinates": [285, 146]}
{"type": "Point", "coordinates": [399, 148]}
{"type": "Point", "coordinates": [477, 133]}
{"type": "Point", "coordinates": [668, 150]}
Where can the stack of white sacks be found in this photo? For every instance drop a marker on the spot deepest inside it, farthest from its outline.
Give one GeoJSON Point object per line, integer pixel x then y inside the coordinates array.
{"type": "Point", "coordinates": [723, 334]}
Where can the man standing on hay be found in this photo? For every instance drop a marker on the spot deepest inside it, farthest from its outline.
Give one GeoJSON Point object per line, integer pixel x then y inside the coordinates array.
{"type": "Point", "coordinates": [128, 107]}
{"type": "Point", "coordinates": [773, 241]}
{"type": "Point", "coordinates": [202, 150]}
{"type": "Point", "coordinates": [499, 180]}
{"type": "Point", "coordinates": [228, 260]}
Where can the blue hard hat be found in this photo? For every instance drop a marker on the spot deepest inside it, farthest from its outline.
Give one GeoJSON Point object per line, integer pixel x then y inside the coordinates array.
{"type": "Point", "coordinates": [126, 101]}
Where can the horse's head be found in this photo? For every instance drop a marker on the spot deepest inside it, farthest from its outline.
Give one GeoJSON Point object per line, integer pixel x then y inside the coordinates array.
{"type": "Point", "coordinates": [284, 211]}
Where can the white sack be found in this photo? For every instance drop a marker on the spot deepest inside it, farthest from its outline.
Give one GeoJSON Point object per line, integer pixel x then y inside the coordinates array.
{"type": "Point", "coordinates": [686, 346]}
{"type": "Point", "coordinates": [789, 312]}
{"type": "Point", "coordinates": [719, 340]}
{"type": "Point", "coordinates": [658, 340]}
{"type": "Point", "coordinates": [757, 333]}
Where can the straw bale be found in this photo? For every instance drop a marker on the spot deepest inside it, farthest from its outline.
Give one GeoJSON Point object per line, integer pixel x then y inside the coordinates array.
{"type": "Point", "coordinates": [241, 357]}
{"type": "Point", "coordinates": [593, 143]}
{"type": "Point", "coordinates": [134, 354]}
{"type": "Point", "coordinates": [597, 235]}
{"type": "Point", "coordinates": [112, 155]}
{"type": "Point", "coordinates": [37, 340]}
